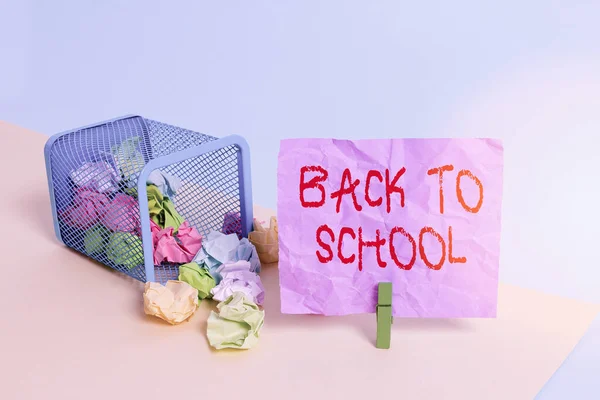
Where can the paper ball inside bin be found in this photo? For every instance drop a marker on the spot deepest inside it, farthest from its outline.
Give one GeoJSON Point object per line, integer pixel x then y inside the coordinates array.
{"type": "Point", "coordinates": [125, 249]}
{"type": "Point", "coordinates": [122, 214]}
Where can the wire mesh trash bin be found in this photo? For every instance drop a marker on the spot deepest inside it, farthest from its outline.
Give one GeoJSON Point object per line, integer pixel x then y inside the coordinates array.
{"type": "Point", "coordinates": [138, 195]}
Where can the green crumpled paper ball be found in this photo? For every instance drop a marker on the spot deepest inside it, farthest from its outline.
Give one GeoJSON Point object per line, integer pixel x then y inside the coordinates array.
{"type": "Point", "coordinates": [198, 278]}
{"type": "Point", "coordinates": [125, 249]}
{"type": "Point", "coordinates": [162, 210]}
{"type": "Point", "coordinates": [95, 239]}
{"type": "Point", "coordinates": [237, 325]}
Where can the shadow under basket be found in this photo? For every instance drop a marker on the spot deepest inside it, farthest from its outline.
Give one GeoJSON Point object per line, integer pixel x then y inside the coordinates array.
{"type": "Point", "coordinates": [98, 177]}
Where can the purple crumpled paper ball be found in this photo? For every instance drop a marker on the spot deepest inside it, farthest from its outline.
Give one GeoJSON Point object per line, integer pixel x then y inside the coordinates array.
{"type": "Point", "coordinates": [232, 223]}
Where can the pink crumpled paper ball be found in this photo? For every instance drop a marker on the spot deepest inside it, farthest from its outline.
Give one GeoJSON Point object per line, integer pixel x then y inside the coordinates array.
{"type": "Point", "coordinates": [88, 208]}
{"type": "Point", "coordinates": [175, 248]}
{"type": "Point", "coordinates": [122, 214]}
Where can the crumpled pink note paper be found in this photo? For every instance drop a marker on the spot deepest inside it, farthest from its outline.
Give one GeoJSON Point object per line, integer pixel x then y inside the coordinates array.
{"type": "Point", "coordinates": [266, 241]}
{"type": "Point", "coordinates": [180, 247]}
{"type": "Point", "coordinates": [175, 302]}
{"type": "Point", "coordinates": [423, 214]}
{"type": "Point", "coordinates": [122, 214]}
{"type": "Point", "coordinates": [237, 277]}
{"type": "Point", "coordinates": [87, 209]}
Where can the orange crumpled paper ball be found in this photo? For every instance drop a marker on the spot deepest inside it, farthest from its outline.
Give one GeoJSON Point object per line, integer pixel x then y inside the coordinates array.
{"type": "Point", "coordinates": [266, 241]}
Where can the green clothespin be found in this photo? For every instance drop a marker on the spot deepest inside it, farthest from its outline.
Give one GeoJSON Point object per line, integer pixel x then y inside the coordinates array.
{"type": "Point", "coordinates": [384, 315]}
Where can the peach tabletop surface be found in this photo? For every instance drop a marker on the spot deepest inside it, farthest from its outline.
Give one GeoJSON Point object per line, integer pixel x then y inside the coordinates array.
{"type": "Point", "coordinates": [73, 329]}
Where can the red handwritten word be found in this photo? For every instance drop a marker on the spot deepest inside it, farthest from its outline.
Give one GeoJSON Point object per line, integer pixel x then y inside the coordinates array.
{"type": "Point", "coordinates": [464, 172]}
{"type": "Point", "coordinates": [348, 187]}
{"type": "Point", "coordinates": [326, 238]}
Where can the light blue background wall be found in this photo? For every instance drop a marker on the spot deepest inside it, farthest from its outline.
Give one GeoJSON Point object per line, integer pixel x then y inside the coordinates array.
{"type": "Point", "coordinates": [524, 71]}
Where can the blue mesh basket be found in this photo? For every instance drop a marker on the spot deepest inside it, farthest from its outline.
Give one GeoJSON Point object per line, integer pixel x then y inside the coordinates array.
{"type": "Point", "coordinates": [98, 179]}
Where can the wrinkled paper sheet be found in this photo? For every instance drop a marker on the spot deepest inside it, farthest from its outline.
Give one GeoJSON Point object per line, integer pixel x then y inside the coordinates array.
{"type": "Point", "coordinates": [448, 287]}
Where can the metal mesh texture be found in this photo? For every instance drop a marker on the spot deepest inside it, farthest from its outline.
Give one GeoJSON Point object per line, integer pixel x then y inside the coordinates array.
{"type": "Point", "coordinates": [94, 174]}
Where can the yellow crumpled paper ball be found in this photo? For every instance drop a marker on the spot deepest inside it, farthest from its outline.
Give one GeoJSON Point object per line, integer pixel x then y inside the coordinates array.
{"type": "Point", "coordinates": [266, 241]}
{"type": "Point", "coordinates": [175, 302]}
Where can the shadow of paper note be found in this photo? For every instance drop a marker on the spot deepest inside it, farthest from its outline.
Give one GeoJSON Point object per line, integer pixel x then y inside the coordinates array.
{"type": "Point", "coordinates": [364, 325]}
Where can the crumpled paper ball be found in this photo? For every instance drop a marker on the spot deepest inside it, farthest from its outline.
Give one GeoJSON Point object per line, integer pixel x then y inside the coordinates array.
{"type": "Point", "coordinates": [95, 239]}
{"type": "Point", "coordinates": [220, 247]}
{"type": "Point", "coordinates": [87, 209]}
{"type": "Point", "coordinates": [93, 201]}
{"type": "Point", "coordinates": [190, 238]}
{"type": "Point", "coordinates": [232, 223]}
{"type": "Point", "coordinates": [180, 247]}
{"type": "Point", "coordinates": [125, 249]}
{"type": "Point", "coordinates": [98, 176]}
{"type": "Point", "coordinates": [175, 302]}
{"type": "Point", "coordinates": [266, 241]}
{"type": "Point", "coordinates": [239, 280]}
{"type": "Point", "coordinates": [128, 158]}
{"type": "Point", "coordinates": [217, 248]}
{"type": "Point", "coordinates": [198, 278]}
{"type": "Point", "coordinates": [237, 325]}
{"type": "Point", "coordinates": [247, 252]}
{"type": "Point", "coordinates": [168, 184]}
{"type": "Point", "coordinates": [122, 214]}
{"type": "Point", "coordinates": [230, 266]}
{"type": "Point", "coordinates": [162, 210]}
